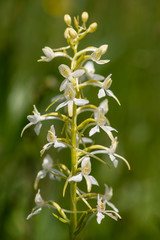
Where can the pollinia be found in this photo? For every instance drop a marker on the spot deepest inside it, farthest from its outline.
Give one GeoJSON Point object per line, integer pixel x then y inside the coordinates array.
{"type": "Point", "coordinates": [67, 107]}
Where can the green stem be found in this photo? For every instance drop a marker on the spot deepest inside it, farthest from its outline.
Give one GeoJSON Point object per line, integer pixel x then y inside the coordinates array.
{"type": "Point", "coordinates": [74, 163]}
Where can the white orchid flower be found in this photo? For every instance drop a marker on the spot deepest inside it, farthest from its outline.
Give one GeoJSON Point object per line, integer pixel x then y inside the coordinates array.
{"type": "Point", "coordinates": [52, 141]}
{"type": "Point", "coordinates": [96, 55]}
{"type": "Point", "coordinates": [39, 204]}
{"type": "Point", "coordinates": [46, 168]}
{"type": "Point", "coordinates": [105, 89]}
{"type": "Point", "coordinates": [112, 155]}
{"type": "Point", "coordinates": [85, 171]}
{"type": "Point", "coordinates": [101, 120]}
{"type": "Point", "coordinates": [65, 71]}
{"type": "Point", "coordinates": [90, 72]}
{"type": "Point", "coordinates": [101, 205]}
{"type": "Point", "coordinates": [36, 120]}
{"type": "Point", "coordinates": [50, 54]}
{"type": "Point", "coordinates": [69, 94]}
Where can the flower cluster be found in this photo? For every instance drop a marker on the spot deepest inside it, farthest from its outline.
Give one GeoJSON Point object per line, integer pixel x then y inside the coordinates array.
{"type": "Point", "coordinates": [67, 107]}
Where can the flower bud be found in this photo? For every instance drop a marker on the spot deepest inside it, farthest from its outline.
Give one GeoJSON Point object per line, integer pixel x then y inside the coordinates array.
{"type": "Point", "coordinates": [103, 48]}
{"type": "Point", "coordinates": [84, 17]}
{"type": "Point", "coordinates": [92, 28]}
{"type": "Point", "coordinates": [67, 19]}
{"type": "Point", "coordinates": [72, 33]}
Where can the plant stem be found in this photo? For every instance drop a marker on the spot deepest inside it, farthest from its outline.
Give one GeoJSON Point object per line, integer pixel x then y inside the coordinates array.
{"type": "Point", "coordinates": [74, 162]}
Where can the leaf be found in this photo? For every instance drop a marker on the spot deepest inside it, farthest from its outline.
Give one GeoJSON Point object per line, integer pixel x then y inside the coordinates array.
{"type": "Point", "coordinates": [82, 223]}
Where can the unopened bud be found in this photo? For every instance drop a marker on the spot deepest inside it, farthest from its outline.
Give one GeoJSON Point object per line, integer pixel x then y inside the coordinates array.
{"type": "Point", "coordinates": [72, 33]}
{"type": "Point", "coordinates": [76, 22]}
{"type": "Point", "coordinates": [67, 19]}
{"type": "Point", "coordinates": [92, 28]}
{"type": "Point", "coordinates": [84, 17]}
{"type": "Point", "coordinates": [103, 48]}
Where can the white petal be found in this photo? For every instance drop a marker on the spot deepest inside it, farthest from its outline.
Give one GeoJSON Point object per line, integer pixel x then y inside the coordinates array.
{"type": "Point", "coordinates": [80, 102]}
{"type": "Point", "coordinates": [93, 181]}
{"type": "Point", "coordinates": [86, 166]}
{"type": "Point", "coordinates": [64, 70]}
{"type": "Point", "coordinates": [78, 73]}
{"type": "Point", "coordinates": [94, 130]}
{"type": "Point", "coordinates": [102, 61]}
{"type": "Point", "coordinates": [61, 105]}
{"type": "Point", "coordinates": [76, 178]}
{"type": "Point", "coordinates": [112, 206]}
{"type": "Point", "coordinates": [32, 118]}
{"type": "Point", "coordinates": [101, 93]}
{"type": "Point", "coordinates": [89, 66]}
{"type": "Point", "coordinates": [111, 94]}
{"type": "Point", "coordinates": [63, 85]}
{"type": "Point", "coordinates": [103, 105]}
{"type": "Point", "coordinates": [86, 140]}
{"type": "Point", "coordinates": [97, 77]}
{"type": "Point", "coordinates": [59, 144]}
{"type": "Point", "coordinates": [38, 128]}
{"type": "Point", "coordinates": [38, 210]}
{"type": "Point", "coordinates": [100, 216]}
{"type": "Point", "coordinates": [115, 163]}
{"type": "Point", "coordinates": [47, 163]}
{"type": "Point", "coordinates": [70, 108]}
{"type": "Point", "coordinates": [89, 182]}
{"type": "Point", "coordinates": [48, 52]}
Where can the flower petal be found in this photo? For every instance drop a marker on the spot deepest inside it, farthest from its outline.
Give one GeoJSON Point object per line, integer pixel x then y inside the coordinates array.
{"type": "Point", "coordinates": [59, 144]}
{"type": "Point", "coordinates": [111, 94]}
{"type": "Point", "coordinates": [97, 77]}
{"type": "Point", "coordinates": [38, 128]}
{"type": "Point", "coordinates": [64, 70]}
{"type": "Point", "coordinates": [101, 93]}
{"type": "Point", "coordinates": [76, 178]}
{"type": "Point", "coordinates": [80, 102]}
{"type": "Point", "coordinates": [93, 181]}
{"type": "Point", "coordinates": [70, 108]}
{"type": "Point", "coordinates": [34, 212]}
{"type": "Point", "coordinates": [78, 73]}
{"type": "Point", "coordinates": [63, 85]}
{"type": "Point", "coordinates": [94, 130]}
{"type": "Point", "coordinates": [112, 206]}
{"type": "Point", "coordinates": [61, 105]}
{"type": "Point", "coordinates": [89, 182]}
{"type": "Point", "coordinates": [100, 216]}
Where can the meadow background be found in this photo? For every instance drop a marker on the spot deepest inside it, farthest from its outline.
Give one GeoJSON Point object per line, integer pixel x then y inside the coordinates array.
{"type": "Point", "coordinates": [131, 28]}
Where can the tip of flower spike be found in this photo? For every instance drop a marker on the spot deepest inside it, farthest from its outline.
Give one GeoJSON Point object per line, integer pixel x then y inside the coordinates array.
{"type": "Point", "coordinates": [67, 19]}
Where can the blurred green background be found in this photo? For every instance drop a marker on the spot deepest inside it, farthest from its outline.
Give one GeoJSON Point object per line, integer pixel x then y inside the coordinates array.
{"type": "Point", "coordinates": [132, 30]}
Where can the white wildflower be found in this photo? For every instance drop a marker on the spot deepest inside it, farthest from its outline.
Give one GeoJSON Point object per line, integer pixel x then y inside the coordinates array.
{"type": "Point", "coordinates": [101, 210]}
{"type": "Point", "coordinates": [105, 89]}
{"type": "Point", "coordinates": [85, 171]}
{"type": "Point", "coordinates": [34, 119]}
{"type": "Point", "coordinates": [96, 55]}
{"type": "Point", "coordinates": [52, 140]}
{"type": "Point", "coordinates": [65, 71]}
{"type": "Point", "coordinates": [69, 95]}
{"type": "Point", "coordinates": [90, 72]}
{"type": "Point", "coordinates": [39, 204]}
{"type": "Point", "coordinates": [101, 120]}
{"type": "Point", "coordinates": [49, 54]}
